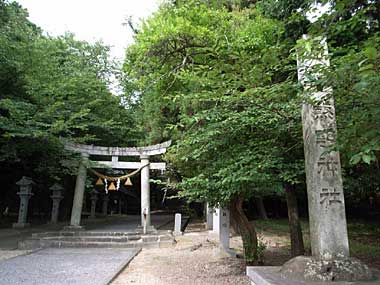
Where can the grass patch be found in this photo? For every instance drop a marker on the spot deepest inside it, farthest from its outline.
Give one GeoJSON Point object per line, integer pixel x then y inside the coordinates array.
{"type": "Point", "coordinates": [364, 236]}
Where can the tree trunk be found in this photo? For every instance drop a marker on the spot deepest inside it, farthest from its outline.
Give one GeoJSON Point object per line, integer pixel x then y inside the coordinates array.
{"type": "Point", "coordinates": [245, 229]}
{"type": "Point", "coordinates": [261, 208]}
{"type": "Point", "coordinates": [297, 246]}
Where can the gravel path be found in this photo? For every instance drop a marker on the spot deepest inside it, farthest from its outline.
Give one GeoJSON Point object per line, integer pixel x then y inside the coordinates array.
{"type": "Point", "coordinates": [194, 260]}
{"type": "Point", "coordinates": [65, 266]}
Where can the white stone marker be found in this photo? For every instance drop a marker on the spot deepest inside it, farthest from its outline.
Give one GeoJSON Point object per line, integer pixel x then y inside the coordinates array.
{"type": "Point", "coordinates": [215, 221]}
{"type": "Point", "coordinates": [224, 229]}
{"type": "Point", "coordinates": [177, 224]}
{"type": "Point", "coordinates": [221, 226]}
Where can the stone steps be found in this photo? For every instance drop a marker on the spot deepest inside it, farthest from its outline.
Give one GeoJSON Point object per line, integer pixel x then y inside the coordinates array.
{"type": "Point", "coordinates": [85, 233]}
{"type": "Point", "coordinates": [84, 239]}
{"type": "Point", "coordinates": [92, 238]}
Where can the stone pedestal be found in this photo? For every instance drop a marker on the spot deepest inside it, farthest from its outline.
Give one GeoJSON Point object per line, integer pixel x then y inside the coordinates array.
{"type": "Point", "coordinates": [25, 194]}
{"type": "Point", "coordinates": [78, 195]}
{"type": "Point", "coordinates": [209, 217]}
{"type": "Point", "coordinates": [94, 199]}
{"type": "Point", "coordinates": [177, 224]}
{"type": "Point", "coordinates": [56, 196]}
{"type": "Point", "coordinates": [105, 200]}
{"type": "Point", "coordinates": [145, 193]}
{"type": "Point", "coordinates": [270, 275]}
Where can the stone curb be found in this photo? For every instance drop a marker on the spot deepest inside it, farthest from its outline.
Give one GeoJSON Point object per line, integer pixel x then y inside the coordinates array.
{"type": "Point", "coordinates": [122, 267]}
{"type": "Point", "coordinates": [28, 252]}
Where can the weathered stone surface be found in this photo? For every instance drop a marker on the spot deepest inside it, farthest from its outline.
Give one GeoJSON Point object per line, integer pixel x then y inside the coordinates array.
{"type": "Point", "coordinates": [328, 227]}
{"type": "Point", "coordinates": [56, 196]}
{"type": "Point", "coordinates": [118, 151]}
{"type": "Point", "coordinates": [312, 269]}
{"type": "Point", "coordinates": [224, 228]}
{"type": "Point", "coordinates": [79, 193]}
{"type": "Point", "coordinates": [94, 198]}
{"type": "Point", "coordinates": [25, 193]}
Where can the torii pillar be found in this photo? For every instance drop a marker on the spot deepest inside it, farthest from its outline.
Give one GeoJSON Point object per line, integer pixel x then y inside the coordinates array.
{"type": "Point", "coordinates": [145, 192]}
{"type": "Point", "coordinates": [79, 193]}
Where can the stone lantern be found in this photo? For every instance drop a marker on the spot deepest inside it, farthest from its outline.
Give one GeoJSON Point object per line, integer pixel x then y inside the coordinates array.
{"type": "Point", "coordinates": [25, 193]}
{"type": "Point", "coordinates": [94, 197]}
{"type": "Point", "coordinates": [56, 196]}
{"type": "Point", "coordinates": [105, 200]}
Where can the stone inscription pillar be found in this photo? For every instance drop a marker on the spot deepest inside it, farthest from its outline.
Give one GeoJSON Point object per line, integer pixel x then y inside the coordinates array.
{"type": "Point", "coordinates": [224, 228]}
{"type": "Point", "coordinates": [145, 192]}
{"type": "Point", "coordinates": [215, 221]}
{"type": "Point", "coordinates": [56, 196]}
{"type": "Point", "coordinates": [79, 192]}
{"type": "Point", "coordinates": [94, 199]}
{"type": "Point", "coordinates": [328, 226]}
{"type": "Point", "coordinates": [25, 194]}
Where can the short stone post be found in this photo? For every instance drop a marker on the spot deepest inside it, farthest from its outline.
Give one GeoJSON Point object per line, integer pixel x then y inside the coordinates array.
{"type": "Point", "coordinates": [25, 193]}
{"type": "Point", "coordinates": [177, 224]}
{"type": "Point", "coordinates": [56, 196]}
{"type": "Point", "coordinates": [224, 229]}
{"type": "Point", "coordinates": [209, 217]}
{"type": "Point", "coordinates": [215, 221]}
{"type": "Point", "coordinates": [105, 200]}
{"type": "Point", "coordinates": [94, 199]}
{"type": "Point", "coordinates": [76, 212]}
{"type": "Point", "coordinates": [221, 226]}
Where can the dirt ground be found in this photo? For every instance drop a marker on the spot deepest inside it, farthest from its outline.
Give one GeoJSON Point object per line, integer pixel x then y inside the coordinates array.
{"type": "Point", "coordinates": [195, 259]}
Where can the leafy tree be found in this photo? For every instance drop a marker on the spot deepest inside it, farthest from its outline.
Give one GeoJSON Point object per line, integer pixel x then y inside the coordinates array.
{"type": "Point", "coordinates": [52, 87]}
{"type": "Point", "coordinates": [222, 84]}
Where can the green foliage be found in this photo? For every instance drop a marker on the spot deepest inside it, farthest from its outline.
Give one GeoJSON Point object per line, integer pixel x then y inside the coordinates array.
{"type": "Point", "coordinates": [221, 84]}
{"type": "Point", "coordinates": [52, 87]}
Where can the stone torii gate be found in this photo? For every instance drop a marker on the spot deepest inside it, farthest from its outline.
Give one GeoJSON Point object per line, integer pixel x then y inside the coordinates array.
{"type": "Point", "coordinates": [115, 152]}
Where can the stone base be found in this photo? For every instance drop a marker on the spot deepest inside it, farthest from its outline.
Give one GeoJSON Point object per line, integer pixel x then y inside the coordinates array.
{"type": "Point", "coordinates": [311, 269]}
{"type": "Point", "coordinates": [177, 233]}
{"type": "Point", "coordinates": [270, 275]}
{"type": "Point", "coordinates": [222, 252]}
{"type": "Point", "coordinates": [74, 228]}
{"type": "Point", "coordinates": [149, 229]}
{"type": "Point", "coordinates": [20, 225]}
